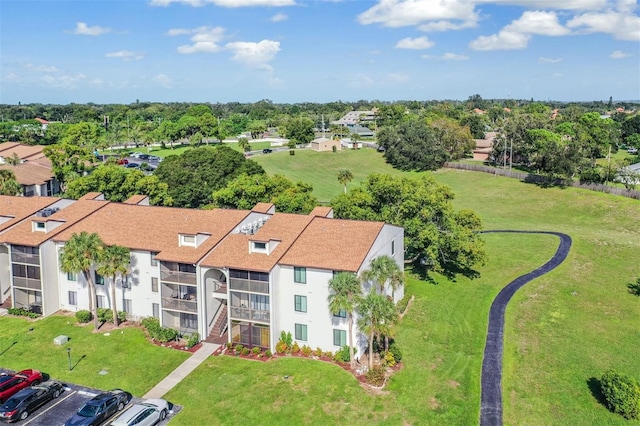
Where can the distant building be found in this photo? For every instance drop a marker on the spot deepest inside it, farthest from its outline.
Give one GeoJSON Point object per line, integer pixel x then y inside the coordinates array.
{"type": "Point", "coordinates": [354, 121]}
{"type": "Point", "coordinates": [484, 147]}
{"type": "Point", "coordinates": [33, 170]}
{"type": "Point", "coordinates": [324, 144]}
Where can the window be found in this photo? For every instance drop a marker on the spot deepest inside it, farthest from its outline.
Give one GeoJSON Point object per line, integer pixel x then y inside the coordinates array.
{"type": "Point", "coordinates": [40, 226]}
{"type": "Point", "coordinates": [155, 307]}
{"type": "Point", "coordinates": [154, 262]}
{"type": "Point", "coordinates": [187, 240]}
{"type": "Point", "coordinates": [73, 298]}
{"type": "Point", "coordinates": [301, 332]}
{"type": "Point", "coordinates": [99, 279]}
{"type": "Point", "coordinates": [71, 276]}
{"type": "Point", "coordinates": [102, 301]}
{"type": "Point", "coordinates": [339, 337]}
{"type": "Point", "coordinates": [300, 275]}
{"type": "Point", "coordinates": [393, 247]}
{"type": "Point", "coordinates": [259, 246]}
{"type": "Point", "coordinates": [127, 306]}
{"type": "Point", "coordinates": [340, 314]}
{"type": "Point", "coordinates": [154, 284]}
{"type": "Point", "coordinates": [301, 303]}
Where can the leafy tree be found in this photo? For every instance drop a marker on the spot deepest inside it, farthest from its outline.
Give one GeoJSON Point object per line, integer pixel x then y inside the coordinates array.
{"type": "Point", "coordinates": [622, 394]}
{"type": "Point", "coordinates": [114, 261]}
{"type": "Point", "coordinates": [68, 161]}
{"type": "Point", "coordinates": [376, 316]}
{"type": "Point", "coordinates": [345, 295]}
{"type": "Point", "coordinates": [244, 144]}
{"type": "Point", "coordinates": [193, 176]}
{"type": "Point", "coordinates": [412, 145]}
{"type": "Point", "coordinates": [168, 130]}
{"type": "Point", "coordinates": [118, 184]}
{"type": "Point", "coordinates": [630, 127]}
{"type": "Point", "coordinates": [8, 183]}
{"type": "Point", "coordinates": [384, 271]}
{"type": "Point", "coordinates": [298, 129]}
{"type": "Point", "coordinates": [554, 155]}
{"type": "Point", "coordinates": [454, 138]}
{"type": "Point", "coordinates": [476, 123]}
{"type": "Point", "coordinates": [83, 134]}
{"type": "Point", "coordinates": [437, 238]}
{"type": "Point", "coordinates": [344, 176]}
{"type": "Point", "coordinates": [207, 123]}
{"type": "Point", "coordinates": [78, 255]}
{"type": "Point", "coordinates": [513, 141]}
{"type": "Point", "coordinates": [596, 134]}
{"type": "Point", "coordinates": [257, 128]}
{"type": "Point", "coordinates": [245, 191]}
{"type": "Point", "coordinates": [338, 130]}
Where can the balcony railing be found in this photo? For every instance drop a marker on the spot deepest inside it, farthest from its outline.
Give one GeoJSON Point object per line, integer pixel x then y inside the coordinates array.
{"type": "Point", "coordinates": [32, 259]}
{"type": "Point", "coordinates": [249, 314]}
{"type": "Point", "coordinates": [179, 304]}
{"type": "Point", "coordinates": [177, 277]}
{"type": "Point", "coordinates": [249, 285]}
{"type": "Point", "coordinates": [30, 283]}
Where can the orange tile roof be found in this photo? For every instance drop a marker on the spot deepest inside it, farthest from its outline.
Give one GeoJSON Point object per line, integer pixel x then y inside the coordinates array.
{"type": "Point", "coordinates": [92, 196]}
{"type": "Point", "coordinates": [334, 244]}
{"type": "Point", "coordinates": [6, 146]}
{"type": "Point", "coordinates": [135, 199]}
{"type": "Point", "coordinates": [19, 208]}
{"type": "Point", "coordinates": [30, 173]}
{"type": "Point", "coordinates": [321, 211]}
{"type": "Point", "coordinates": [157, 229]}
{"type": "Point", "coordinates": [262, 207]}
{"type": "Point", "coordinates": [23, 233]}
{"type": "Point", "coordinates": [233, 252]}
{"type": "Point", "coordinates": [24, 152]}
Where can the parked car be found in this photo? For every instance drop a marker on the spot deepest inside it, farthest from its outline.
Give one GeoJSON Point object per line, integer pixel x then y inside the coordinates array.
{"type": "Point", "coordinates": [146, 167]}
{"type": "Point", "coordinates": [11, 383]}
{"type": "Point", "coordinates": [143, 157]}
{"type": "Point", "coordinates": [632, 150]}
{"type": "Point", "coordinates": [146, 413]}
{"type": "Point", "coordinates": [267, 151]}
{"type": "Point", "coordinates": [26, 401]}
{"type": "Point", "coordinates": [101, 407]}
{"type": "Point", "coordinates": [154, 158]}
{"type": "Point", "coordinates": [122, 161]}
{"type": "Point", "coordinates": [135, 154]}
{"type": "Point", "coordinates": [132, 166]}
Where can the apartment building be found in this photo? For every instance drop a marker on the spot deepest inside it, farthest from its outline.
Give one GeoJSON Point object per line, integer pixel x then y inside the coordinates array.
{"type": "Point", "coordinates": [236, 275]}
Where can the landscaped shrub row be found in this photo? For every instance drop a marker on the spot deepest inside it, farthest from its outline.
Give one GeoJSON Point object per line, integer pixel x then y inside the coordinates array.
{"type": "Point", "coordinates": [22, 312]}
{"type": "Point", "coordinates": [104, 315]}
{"type": "Point", "coordinates": [161, 334]}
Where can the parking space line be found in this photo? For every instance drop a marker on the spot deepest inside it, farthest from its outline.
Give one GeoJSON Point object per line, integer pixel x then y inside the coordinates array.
{"type": "Point", "coordinates": [49, 408]}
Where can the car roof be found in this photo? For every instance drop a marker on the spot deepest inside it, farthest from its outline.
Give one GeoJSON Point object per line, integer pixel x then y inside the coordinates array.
{"type": "Point", "coordinates": [5, 378]}
{"type": "Point", "coordinates": [130, 413]}
{"type": "Point", "coordinates": [24, 393]}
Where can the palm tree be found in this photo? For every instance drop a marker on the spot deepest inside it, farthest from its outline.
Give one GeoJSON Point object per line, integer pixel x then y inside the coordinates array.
{"type": "Point", "coordinates": [8, 183]}
{"type": "Point", "coordinates": [383, 271]}
{"type": "Point", "coordinates": [345, 296]}
{"type": "Point", "coordinates": [243, 143]}
{"type": "Point", "coordinates": [345, 176]}
{"type": "Point", "coordinates": [78, 255]}
{"type": "Point", "coordinates": [377, 314]}
{"type": "Point", "coordinates": [114, 261]}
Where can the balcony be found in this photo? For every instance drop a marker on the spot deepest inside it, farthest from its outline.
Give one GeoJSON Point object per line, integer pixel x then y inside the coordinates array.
{"type": "Point", "coordinates": [249, 314]}
{"type": "Point", "coordinates": [18, 257]}
{"type": "Point", "coordinates": [249, 285]}
{"type": "Point", "coordinates": [176, 304]}
{"type": "Point", "coordinates": [179, 297]}
{"type": "Point", "coordinates": [30, 283]}
{"type": "Point", "coordinates": [177, 277]}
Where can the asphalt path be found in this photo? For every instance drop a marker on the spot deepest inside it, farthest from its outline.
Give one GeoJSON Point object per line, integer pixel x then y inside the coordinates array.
{"type": "Point", "coordinates": [491, 377]}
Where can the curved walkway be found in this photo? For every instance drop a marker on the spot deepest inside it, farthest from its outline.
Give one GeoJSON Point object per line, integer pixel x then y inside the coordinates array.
{"type": "Point", "coordinates": [491, 377]}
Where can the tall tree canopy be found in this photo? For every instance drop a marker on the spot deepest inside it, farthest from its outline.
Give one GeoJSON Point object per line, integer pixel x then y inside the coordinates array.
{"type": "Point", "coordinates": [118, 184]}
{"type": "Point", "coordinates": [298, 129]}
{"type": "Point", "coordinates": [8, 183]}
{"type": "Point", "coordinates": [412, 145]}
{"type": "Point", "coordinates": [194, 175]}
{"type": "Point", "coordinates": [437, 237]}
{"type": "Point", "coordinates": [69, 161]}
{"type": "Point", "coordinates": [245, 191]}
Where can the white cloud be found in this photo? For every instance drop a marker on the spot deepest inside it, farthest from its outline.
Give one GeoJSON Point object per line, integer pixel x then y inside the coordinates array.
{"type": "Point", "coordinates": [42, 68]}
{"type": "Point", "coordinates": [550, 60]}
{"type": "Point", "coordinates": [205, 39]}
{"type": "Point", "coordinates": [163, 80]}
{"type": "Point", "coordinates": [547, 4]}
{"type": "Point", "coordinates": [398, 78]}
{"type": "Point", "coordinates": [414, 43]}
{"type": "Point", "coordinates": [619, 54]}
{"type": "Point", "coordinates": [402, 13]}
{"type": "Point", "coordinates": [226, 3]}
{"type": "Point", "coordinates": [279, 17]}
{"type": "Point", "coordinates": [454, 57]}
{"type": "Point", "coordinates": [255, 55]}
{"type": "Point", "coordinates": [517, 34]}
{"type": "Point", "coordinates": [622, 25]}
{"type": "Point", "coordinates": [83, 29]}
{"type": "Point", "coordinates": [125, 55]}
{"type": "Point", "coordinates": [63, 81]}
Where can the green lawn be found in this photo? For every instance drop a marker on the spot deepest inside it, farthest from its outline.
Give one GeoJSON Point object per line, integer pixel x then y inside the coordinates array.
{"type": "Point", "coordinates": [561, 331]}
{"type": "Point", "coordinates": [132, 363]}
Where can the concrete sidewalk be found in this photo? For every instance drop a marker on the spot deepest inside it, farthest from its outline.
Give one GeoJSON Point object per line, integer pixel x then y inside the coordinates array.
{"type": "Point", "coordinates": [182, 371]}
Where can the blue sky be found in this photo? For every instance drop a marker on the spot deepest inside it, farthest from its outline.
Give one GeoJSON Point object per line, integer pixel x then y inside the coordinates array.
{"type": "Point", "coordinates": [120, 51]}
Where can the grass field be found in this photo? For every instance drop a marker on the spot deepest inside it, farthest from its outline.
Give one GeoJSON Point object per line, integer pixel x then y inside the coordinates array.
{"type": "Point", "coordinates": [131, 362]}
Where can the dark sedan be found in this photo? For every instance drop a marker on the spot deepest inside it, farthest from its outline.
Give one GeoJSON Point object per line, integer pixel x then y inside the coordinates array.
{"type": "Point", "coordinates": [100, 408]}
{"type": "Point", "coordinates": [12, 383]}
{"type": "Point", "coordinates": [26, 401]}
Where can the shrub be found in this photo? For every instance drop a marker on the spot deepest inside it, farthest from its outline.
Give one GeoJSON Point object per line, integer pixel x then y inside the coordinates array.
{"type": "Point", "coordinates": [238, 348]}
{"type": "Point", "coordinates": [622, 394]}
{"type": "Point", "coordinates": [286, 338]}
{"type": "Point", "coordinates": [229, 345]}
{"type": "Point", "coordinates": [343, 354]}
{"type": "Point", "coordinates": [122, 316]}
{"type": "Point", "coordinates": [246, 351]}
{"type": "Point", "coordinates": [256, 350]}
{"type": "Point", "coordinates": [83, 316]}
{"type": "Point", "coordinates": [401, 306]}
{"type": "Point", "coordinates": [167, 334]}
{"type": "Point", "coordinates": [328, 354]}
{"type": "Point", "coordinates": [162, 334]}
{"type": "Point", "coordinates": [281, 347]}
{"type": "Point", "coordinates": [268, 353]}
{"type": "Point", "coordinates": [376, 375]}
{"type": "Point", "coordinates": [318, 352]}
{"type": "Point", "coordinates": [105, 315]}
{"type": "Point", "coordinates": [388, 359]}
{"type": "Point", "coordinates": [395, 351]}
{"type": "Point", "coordinates": [193, 340]}
{"type": "Point", "coordinates": [295, 348]}
{"type": "Point", "coordinates": [306, 350]}
{"type": "Point", "coordinates": [22, 312]}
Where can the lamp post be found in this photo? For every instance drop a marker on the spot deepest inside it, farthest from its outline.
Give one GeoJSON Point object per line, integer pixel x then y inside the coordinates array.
{"type": "Point", "coordinates": [69, 357]}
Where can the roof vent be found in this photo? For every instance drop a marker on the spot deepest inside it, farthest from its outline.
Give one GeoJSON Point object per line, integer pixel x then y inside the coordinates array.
{"type": "Point", "coordinates": [47, 212]}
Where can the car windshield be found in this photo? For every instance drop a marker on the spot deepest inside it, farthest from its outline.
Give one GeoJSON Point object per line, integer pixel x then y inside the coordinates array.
{"type": "Point", "coordinates": [11, 404]}
{"type": "Point", "coordinates": [88, 410]}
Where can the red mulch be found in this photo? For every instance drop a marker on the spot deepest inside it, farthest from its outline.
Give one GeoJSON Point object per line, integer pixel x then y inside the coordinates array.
{"type": "Point", "coordinates": [176, 345]}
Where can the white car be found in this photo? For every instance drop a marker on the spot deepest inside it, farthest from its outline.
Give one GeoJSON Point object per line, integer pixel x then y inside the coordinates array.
{"type": "Point", "coordinates": [135, 154]}
{"type": "Point", "coordinates": [146, 413]}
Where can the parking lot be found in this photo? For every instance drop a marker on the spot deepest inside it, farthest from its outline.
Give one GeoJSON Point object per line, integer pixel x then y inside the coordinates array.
{"type": "Point", "coordinates": [59, 410]}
